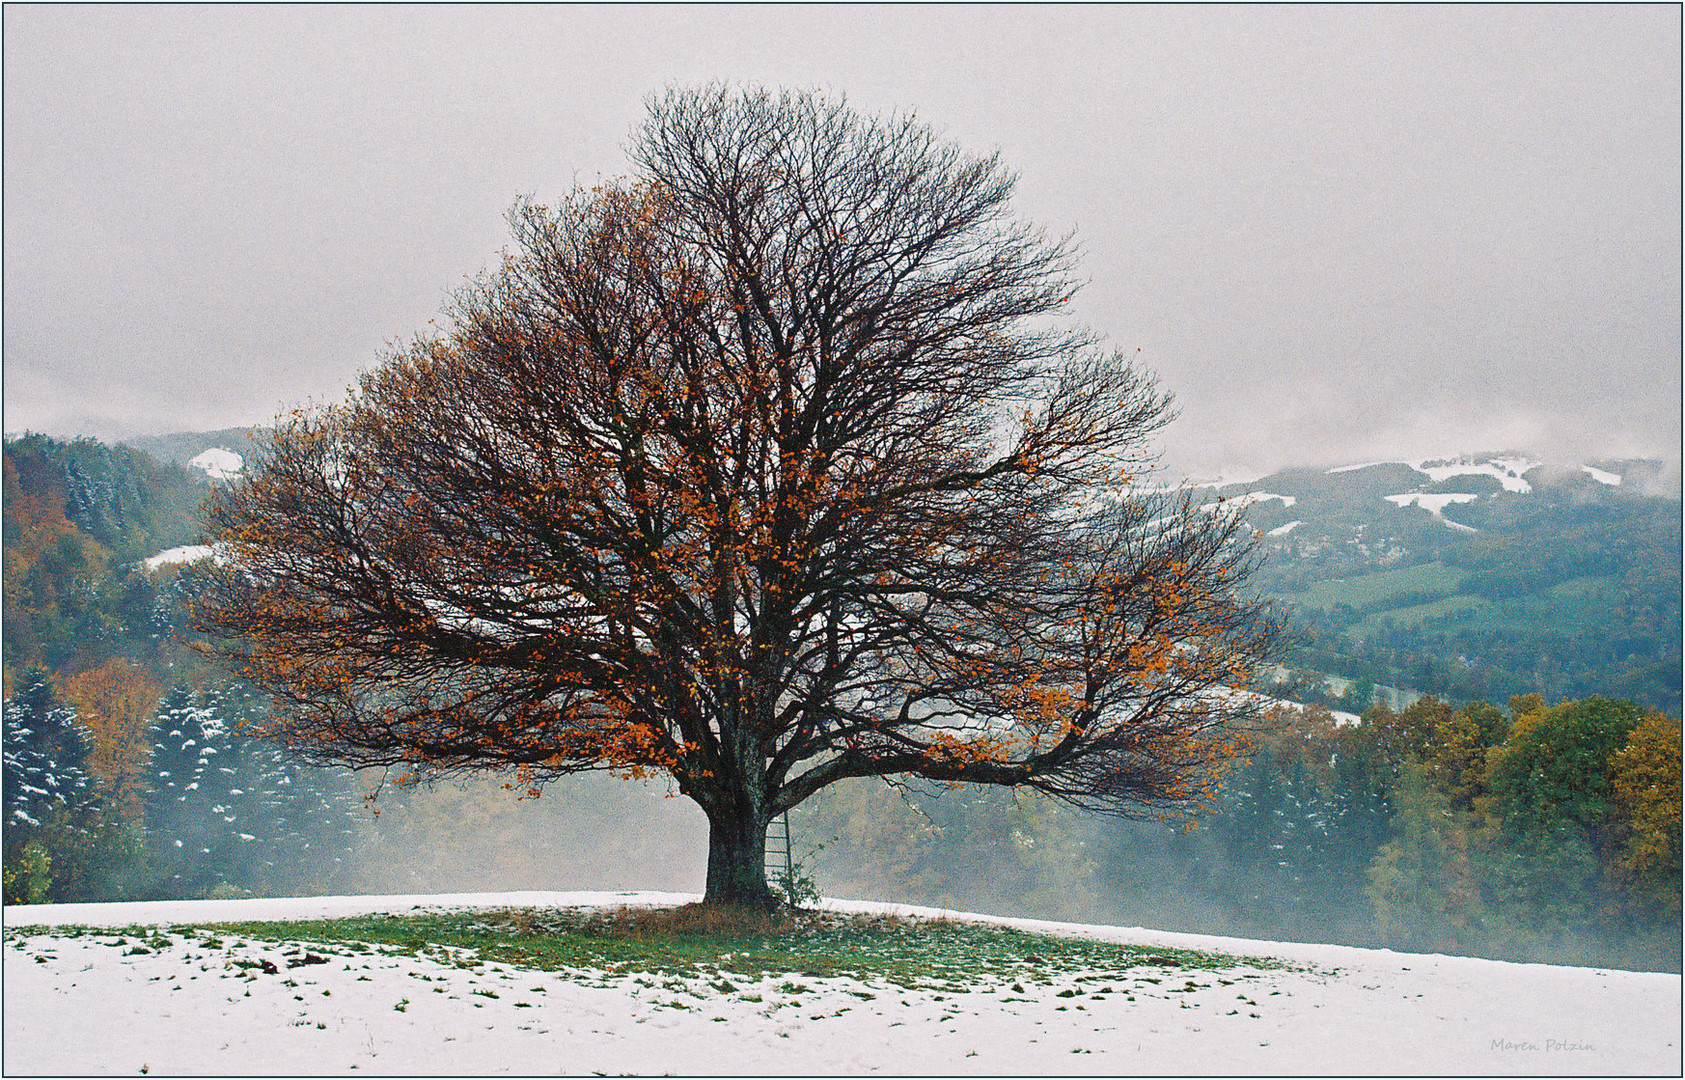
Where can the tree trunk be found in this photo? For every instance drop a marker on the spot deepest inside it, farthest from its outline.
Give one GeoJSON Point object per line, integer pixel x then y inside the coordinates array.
{"type": "Point", "coordinates": [737, 862]}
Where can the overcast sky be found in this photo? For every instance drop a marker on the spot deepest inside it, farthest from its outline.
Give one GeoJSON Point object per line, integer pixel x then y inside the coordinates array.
{"type": "Point", "coordinates": [1337, 233]}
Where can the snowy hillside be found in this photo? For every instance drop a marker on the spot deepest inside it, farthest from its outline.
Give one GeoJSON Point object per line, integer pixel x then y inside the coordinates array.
{"type": "Point", "coordinates": [218, 463]}
{"type": "Point", "coordinates": [1477, 577]}
{"type": "Point", "coordinates": [1382, 513]}
{"type": "Point", "coordinates": [1509, 470]}
{"type": "Point", "coordinates": [195, 1002]}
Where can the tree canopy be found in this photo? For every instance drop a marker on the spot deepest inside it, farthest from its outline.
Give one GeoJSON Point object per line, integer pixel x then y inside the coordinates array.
{"type": "Point", "coordinates": [771, 465]}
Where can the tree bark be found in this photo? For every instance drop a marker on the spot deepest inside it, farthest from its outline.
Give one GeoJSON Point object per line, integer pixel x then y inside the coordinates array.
{"type": "Point", "coordinates": [737, 861]}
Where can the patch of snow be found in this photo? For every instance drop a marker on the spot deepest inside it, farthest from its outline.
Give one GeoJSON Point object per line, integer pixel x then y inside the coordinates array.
{"type": "Point", "coordinates": [1340, 716]}
{"type": "Point", "coordinates": [1269, 702]}
{"type": "Point", "coordinates": [187, 554]}
{"type": "Point", "coordinates": [1612, 479]}
{"type": "Point", "coordinates": [1433, 504]}
{"type": "Point", "coordinates": [1283, 530]}
{"type": "Point", "coordinates": [1237, 501]}
{"type": "Point", "coordinates": [1508, 471]}
{"type": "Point", "coordinates": [205, 1005]}
{"type": "Point", "coordinates": [219, 464]}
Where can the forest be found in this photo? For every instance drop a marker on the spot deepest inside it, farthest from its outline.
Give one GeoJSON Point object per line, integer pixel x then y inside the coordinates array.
{"type": "Point", "coordinates": [1569, 588]}
{"type": "Point", "coordinates": [1527, 832]}
{"type": "Point", "coordinates": [1523, 829]}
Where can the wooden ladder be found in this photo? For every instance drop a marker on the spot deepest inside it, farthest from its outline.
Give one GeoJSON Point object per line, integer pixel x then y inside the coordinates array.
{"type": "Point", "coordinates": [779, 863]}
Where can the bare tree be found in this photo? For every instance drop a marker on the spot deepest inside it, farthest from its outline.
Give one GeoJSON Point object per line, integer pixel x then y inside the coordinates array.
{"type": "Point", "coordinates": [769, 467]}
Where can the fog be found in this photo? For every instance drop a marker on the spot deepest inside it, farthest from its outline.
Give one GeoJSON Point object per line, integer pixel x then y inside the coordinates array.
{"type": "Point", "coordinates": [584, 832]}
{"type": "Point", "coordinates": [970, 849]}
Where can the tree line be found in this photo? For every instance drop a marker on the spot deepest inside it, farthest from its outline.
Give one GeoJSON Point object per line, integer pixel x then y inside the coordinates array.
{"type": "Point", "coordinates": [1546, 832]}
{"type": "Point", "coordinates": [197, 809]}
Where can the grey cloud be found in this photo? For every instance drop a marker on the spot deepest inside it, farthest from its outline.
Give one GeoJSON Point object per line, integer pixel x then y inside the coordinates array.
{"type": "Point", "coordinates": [1336, 232]}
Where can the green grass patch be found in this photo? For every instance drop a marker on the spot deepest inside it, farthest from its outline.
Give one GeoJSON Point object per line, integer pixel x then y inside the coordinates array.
{"type": "Point", "coordinates": [1430, 580]}
{"type": "Point", "coordinates": [1578, 605]}
{"type": "Point", "coordinates": [1416, 614]}
{"type": "Point", "coordinates": [715, 945]}
{"type": "Point", "coordinates": [1588, 595]}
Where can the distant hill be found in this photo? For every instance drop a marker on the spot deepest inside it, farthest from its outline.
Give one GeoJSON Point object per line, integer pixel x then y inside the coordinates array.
{"type": "Point", "coordinates": [1478, 577]}
{"type": "Point", "coordinates": [182, 447]}
{"type": "Point", "coordinates": [1469, 578]}
{"type": "Point", "coordinates": [132, 503]}
{"type": "Point", "coordinates": [79, 517]}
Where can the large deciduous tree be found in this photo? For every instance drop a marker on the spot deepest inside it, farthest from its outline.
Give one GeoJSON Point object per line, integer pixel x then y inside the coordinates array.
{"type": "Point", "coordinates": [769, 466]}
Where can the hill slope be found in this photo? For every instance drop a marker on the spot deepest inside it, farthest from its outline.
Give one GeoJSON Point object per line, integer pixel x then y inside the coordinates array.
{"type": "Point", "coordinates": [198, 1001]}
{"type": "Point", "coordinates": [182, 447]}
{"type": "Point", "coordinates": [1473, 578]}
{"type": "Point", "coordinates": [1479, 577]}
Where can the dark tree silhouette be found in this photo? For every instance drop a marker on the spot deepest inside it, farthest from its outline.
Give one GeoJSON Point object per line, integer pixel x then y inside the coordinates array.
{"type": "Point", "coordinates": [771, 466]}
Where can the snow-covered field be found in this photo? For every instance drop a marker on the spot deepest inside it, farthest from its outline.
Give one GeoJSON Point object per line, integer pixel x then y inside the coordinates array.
{"type": "Point", "coordinates": [90, 1006]}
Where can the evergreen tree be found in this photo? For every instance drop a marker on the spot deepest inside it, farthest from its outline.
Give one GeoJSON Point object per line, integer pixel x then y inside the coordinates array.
{"type": "Point", "coordinates": [45, 750]}
{"type": "Point", "coordinates": [60, 845]}
{"type": "Point", "coordinates": [1360, 796]}
{"type": "Point", "coordinates": [200, 821]}
{"type": "Point", "coordinates": [312, 821]}
{"type": "Point", "coordinates": [228, 810]}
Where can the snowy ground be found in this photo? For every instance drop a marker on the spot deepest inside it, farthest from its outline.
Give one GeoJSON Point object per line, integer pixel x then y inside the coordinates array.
{"type": "Point", "coordinates": [90, 1005]}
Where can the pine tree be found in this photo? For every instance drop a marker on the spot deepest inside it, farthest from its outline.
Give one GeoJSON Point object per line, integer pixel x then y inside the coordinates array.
{"type": "Point", "coordinates": [60, 845]}
{"type": "Point", "coordinates": [46, 749]}
{"type": "Point", "coordinates": [231, 810]}
{"type": "Point", "coordinates": [198, 816]}
{"type": "Point", "coordinates": [311, 820]}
